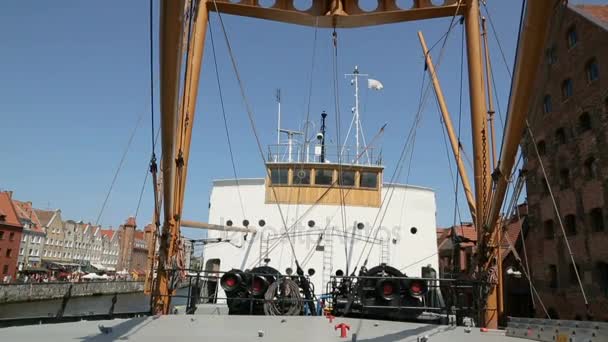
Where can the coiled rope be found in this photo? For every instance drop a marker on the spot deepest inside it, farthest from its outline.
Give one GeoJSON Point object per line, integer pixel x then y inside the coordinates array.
{"type": "Point", "coordinates": [289, 298]}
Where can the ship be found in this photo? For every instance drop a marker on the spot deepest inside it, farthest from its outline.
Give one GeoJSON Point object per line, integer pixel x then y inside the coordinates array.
{"type": "Point", "coordinates": [326, 272]}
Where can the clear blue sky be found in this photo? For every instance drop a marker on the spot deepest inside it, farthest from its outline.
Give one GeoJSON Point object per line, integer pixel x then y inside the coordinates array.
{"type": "Point", "coordinates": [74, 80]}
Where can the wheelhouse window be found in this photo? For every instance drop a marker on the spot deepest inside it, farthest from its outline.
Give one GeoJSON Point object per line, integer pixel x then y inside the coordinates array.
{"type": "Point", "coordinates": [279, 176]}
{"type": "Point", "coordinates": [347, 178]}
{"type": "Point", "coordinates": [592, 70]}
{"type": "Point", "coordinates": [324, 177]}
{"type": "Point", "coordinates": [567, 89]}
{"type": "Point", "coordinates": [572, 37]}
{"type": "Point", "coordinates": [369, 180]}
{"type": "Point", "coordinates": [301, 176]}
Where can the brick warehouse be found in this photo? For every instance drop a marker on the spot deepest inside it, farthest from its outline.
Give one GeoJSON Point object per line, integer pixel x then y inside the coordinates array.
{"type": "Point", "coordinates": [569, 123]}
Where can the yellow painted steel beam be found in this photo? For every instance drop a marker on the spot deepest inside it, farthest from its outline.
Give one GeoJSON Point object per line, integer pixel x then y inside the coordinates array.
{"type": "Point", "coordinates": [530, 54]}
{"type": "Point", "coordinates": [338, 13]}
{"type": "Point", "coordinates": [490, 98]}
{"type": "Point", "coordinates": [479, 131]}
{"type": "Point", "coordinates": [447, 120]}
{"type": "Point", "coordinates": [171, 31]}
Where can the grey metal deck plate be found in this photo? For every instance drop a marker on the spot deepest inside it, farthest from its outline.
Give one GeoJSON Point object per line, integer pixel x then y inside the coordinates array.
{"type": "Point", "coordinates": [180, 328]}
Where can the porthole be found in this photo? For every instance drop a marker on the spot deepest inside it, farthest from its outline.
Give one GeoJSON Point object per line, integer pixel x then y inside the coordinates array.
{"type": "Point", "coordinates": [229, 223]}
{"type": "Point", "coordinates": [261, 223]}
{"type": "Point", "coordinates": [245, 223]}
{"type": "Point", "coordinates": [413, 230]}
{"type": "Point", "coordinates": [311, 223]}
{"type": "Point", "coordinates": [360, 225]}
{"type": "Point", "coordinates": [311, 272]}
{"type": "Point", "coordinates": [289, 271]}
{"type": "Point", "coordinates": [339, 273]}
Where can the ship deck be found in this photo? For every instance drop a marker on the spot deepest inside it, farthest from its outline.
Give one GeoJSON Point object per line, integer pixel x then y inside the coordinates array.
{"type": "Point", "coordinates": [246, 328]}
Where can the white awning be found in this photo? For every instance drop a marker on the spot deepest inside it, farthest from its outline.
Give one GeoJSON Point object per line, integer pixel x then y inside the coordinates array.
{"type": "Point", "coordinates": [99, 267]}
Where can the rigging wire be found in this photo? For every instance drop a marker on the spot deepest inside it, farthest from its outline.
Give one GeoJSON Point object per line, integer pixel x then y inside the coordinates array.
{"type": "Point", "coordinates": [120, 164]}
{"type": "Point", "coordinates": [557, 213]}
{"type": "Point", "coordinates": [460, 149]}
{"type": "Point", "coordinates": [517, 189]}
{"type": "Point", "coordinates": [221, 96]}
{"type": "Point", "coordinates": [179, 174]}
{"type": "Point", "coordinates": [423, 97]}
{"type": "Point", "coordinates": [143, 185]}
{"type": "Point", "coordinates": [529, 131]}
{"type": "Point", "coordinates": [252, 123]}
{"type": "Point", "coordinates": [151, 31]}
{"type": "Point", "coordinates": [336, 90]}
{"type": "Point", "coordinates": [307, 120]}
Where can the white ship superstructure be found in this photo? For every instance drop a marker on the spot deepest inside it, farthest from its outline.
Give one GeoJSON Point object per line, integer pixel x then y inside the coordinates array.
{"type": "Point", "coordinates": [327, 207]}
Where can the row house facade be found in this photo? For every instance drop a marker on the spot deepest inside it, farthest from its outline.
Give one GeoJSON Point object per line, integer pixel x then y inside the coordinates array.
{"type": "Point", "coordinates": [32, 239]}
{"type": "Point", "coordinates": [10, 237]}
{"type": "Point", "coordinates": [110, 248]}
{"type": "Point", "coordinates": [52, 225]}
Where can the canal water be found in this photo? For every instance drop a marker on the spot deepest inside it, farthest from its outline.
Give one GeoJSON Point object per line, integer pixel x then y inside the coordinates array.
{"type": "Point", "coordinates": [128, 302]}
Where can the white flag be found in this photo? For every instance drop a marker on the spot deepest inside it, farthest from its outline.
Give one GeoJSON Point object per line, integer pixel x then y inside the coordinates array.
{"type": "Point", "coordinates": [374, 84]}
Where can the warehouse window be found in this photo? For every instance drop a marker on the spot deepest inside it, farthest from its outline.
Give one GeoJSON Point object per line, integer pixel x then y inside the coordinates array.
{"type": "Point", "coordinates": [592, 70]}
{"type": "Point", "coordinates": [542, 147]}
{"type": "Point", "coordinates": [572, 36]}
{"type": "Point", "coordinates": [597, 219]}
{"type": "Point", "coordinates": [552, 270]}
{"type": "Point", "coordinates": [567, 89]}
{"type": "Point", "coordinates": [584, 122]}
{"type": "Point", "coordinates": [547, 108]}
{"type": "Point", "coordinates": [591, 168]}
{"type": "Point", "coordinates": [549, 231]}
{"type": "Point", "coordinates": [570, 224]}
{"type": "Point", "coordinates": [573, 272]}
{"type": "Point", "coordinates": [564, 178]}
{"type": "Point", "coordinates": [560, 136]}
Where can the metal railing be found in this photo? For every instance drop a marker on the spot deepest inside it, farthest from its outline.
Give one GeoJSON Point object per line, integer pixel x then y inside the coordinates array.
{"type": "Point", "coordinates": [203, 287]}
{"type": "Point", "coordinates": [311, 153]}
{"type": "Point", "coordinates": [445, 300]}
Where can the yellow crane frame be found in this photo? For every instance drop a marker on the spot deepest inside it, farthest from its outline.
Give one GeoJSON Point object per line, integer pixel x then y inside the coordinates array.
{"type": "Point", "coordinates": [177, 114]}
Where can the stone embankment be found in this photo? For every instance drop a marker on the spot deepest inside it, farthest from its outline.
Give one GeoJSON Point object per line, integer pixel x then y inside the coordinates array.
{"type": "Point", "coordinates": [10, 293]}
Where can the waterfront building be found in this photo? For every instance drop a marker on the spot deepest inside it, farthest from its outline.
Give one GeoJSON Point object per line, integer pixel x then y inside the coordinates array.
{"type": "Point", "coordinates": [32, 239]}
{"type": "Point", "coordinates": [10, 237]}
{"type": "Point", "coordinates": [110, 249]}
{"type": "Point", "coordinates": [52, 225]}
{"type": "Point", "coordinates": [569, 123]}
